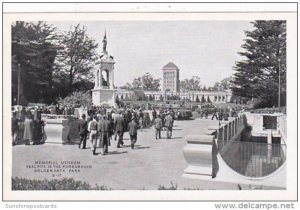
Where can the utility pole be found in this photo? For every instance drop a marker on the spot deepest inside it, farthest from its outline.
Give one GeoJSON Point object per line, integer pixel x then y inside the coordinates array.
{"type": "Point", "coordinates": [279, 84]}
{"type": "Point", "coordinates": [19, 83]}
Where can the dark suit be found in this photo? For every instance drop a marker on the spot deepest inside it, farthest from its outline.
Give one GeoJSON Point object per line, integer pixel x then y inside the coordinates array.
{"type": "Point", "coordinates": [105, 130]}
{"type": "Point", "coordinates": [133, 127]}
{"type": "Point", "coordinates": [82, 130]}
{"type": "Point", "coordinates": [119, 128]}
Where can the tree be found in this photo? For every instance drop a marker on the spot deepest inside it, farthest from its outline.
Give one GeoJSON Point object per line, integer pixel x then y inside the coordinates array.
{"type": "Point", "coordinates": [77, 99]}
{"type": "Point", "coordinates": [137, 83]}
{"type": "Point", "coordinates": [150, 83]}
{"type": "Point", "coordinates": [203, 99]}
{"type": "Point", "coordinates": [224, 84]}
{"type": "Point", "coordinates": [77, 57]}
{"type": "Point", "coordinates": [161, 98]}
{"type": "Point", "coordinates": [208, 100]}
{"type": "Point", "coordinates": [190, 84]}
{"type": "Point", "coordinates": [33, 52]}
{"type": "Point", "coordinates": [257, 76]}
{"type": "Point", "coordinates": [197, 99]}
{"type": "Point", "coordinates": [145, 82]}
{"type": "Point", "coordinates": [127, 86]}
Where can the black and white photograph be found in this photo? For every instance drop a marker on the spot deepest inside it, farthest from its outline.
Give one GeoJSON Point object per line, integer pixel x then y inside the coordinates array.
{"type": "Point", "coordinates": [154, 103]}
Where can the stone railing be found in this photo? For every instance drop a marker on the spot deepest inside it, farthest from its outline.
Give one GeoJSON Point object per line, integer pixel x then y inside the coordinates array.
{"type": "Point", "coordinates": [283, 128]}
{"type": "Point", "coordinates": [220, 156]}
{"type": "Point", "coordinates": [200, 152]}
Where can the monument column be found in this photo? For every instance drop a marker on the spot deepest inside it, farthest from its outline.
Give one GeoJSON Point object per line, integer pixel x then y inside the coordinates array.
{"type": "Point", "coordinates": [104, 92]}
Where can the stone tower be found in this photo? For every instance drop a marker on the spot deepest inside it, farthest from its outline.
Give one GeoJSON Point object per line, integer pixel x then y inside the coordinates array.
{"type": "Point", "coordinates": [104, 92]}
{"type": "Point", "coordinates": [171, 77]}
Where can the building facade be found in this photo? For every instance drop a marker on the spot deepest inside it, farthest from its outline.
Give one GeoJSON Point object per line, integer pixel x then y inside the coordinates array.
{"type": "Point", "coordinates": [223, 96]}
{"type": "Point", "coordinates": [170, 78]}
{"type": "Point", "coordinates": [171, 90]}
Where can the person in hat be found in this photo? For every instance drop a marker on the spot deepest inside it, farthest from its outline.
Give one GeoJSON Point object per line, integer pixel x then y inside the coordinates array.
{"type": "Point", "coordinates": [132, 128]}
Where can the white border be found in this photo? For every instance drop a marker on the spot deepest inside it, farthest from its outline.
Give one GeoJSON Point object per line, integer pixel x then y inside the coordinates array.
{"type": "Point", "coordinates": [289, 194]}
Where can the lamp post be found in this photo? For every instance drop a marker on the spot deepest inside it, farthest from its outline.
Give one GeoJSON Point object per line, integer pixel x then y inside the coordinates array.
{"type": "Point", "coordinates": [19, 83]}
{"type": "Point", "coordinates": [279, 84]}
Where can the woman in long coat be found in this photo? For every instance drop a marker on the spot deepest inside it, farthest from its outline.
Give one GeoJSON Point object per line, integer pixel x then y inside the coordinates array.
{"type": "Point", "coordinates": [28, 128]}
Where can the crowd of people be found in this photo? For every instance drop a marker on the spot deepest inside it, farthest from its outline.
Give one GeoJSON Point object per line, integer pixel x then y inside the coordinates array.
{"type": "Point", "coordinates": [99, 125]}
{"type": "Point", "coordinates": [102, 126]}
{"type": "Point", "coordinates": [221, 113]}
{"type": "Point", "coordinates": [29, 125]}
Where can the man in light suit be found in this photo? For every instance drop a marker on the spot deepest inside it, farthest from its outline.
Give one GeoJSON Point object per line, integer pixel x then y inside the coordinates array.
{"type": "Point", "coordinates": [169, 125]}
{"type": "Point", "coordinates": [92, 128]}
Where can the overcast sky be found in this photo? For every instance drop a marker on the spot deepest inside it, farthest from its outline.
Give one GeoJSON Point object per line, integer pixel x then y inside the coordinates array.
{"type": "Point", "coordinates": [207, 49]}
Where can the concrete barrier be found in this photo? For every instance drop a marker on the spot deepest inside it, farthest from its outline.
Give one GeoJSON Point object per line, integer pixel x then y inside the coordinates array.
{"type": "Point", "coordinates": [57, 130]}
{"type": "Point", "coordinates": [198, 154]}
{"type": "Point", "coordinates": [201, 151]}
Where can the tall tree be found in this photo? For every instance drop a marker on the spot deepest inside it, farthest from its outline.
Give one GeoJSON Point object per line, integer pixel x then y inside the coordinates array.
{"type": "Point", "coordinates": [145, 82]}
{"type": "Point", "coordinates": [150, 83]}
{"type": "Point", "coordinates": [190, 84]}
{"type": "Point", "coordinates": [224, 84]}
{"type": "Point", "coordinates": [257, 76]}
{"type": "Point", "coordinates": [137, 83]}
{"type": "Point", "coordinates": [33, 53]}
{"type": "Point", "coordinates": [77, 57]}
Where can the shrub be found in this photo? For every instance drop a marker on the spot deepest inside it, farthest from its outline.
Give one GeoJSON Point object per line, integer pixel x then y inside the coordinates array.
{"type": "Point", "coordinates": [172, 187]}
{"type": "Point", "coordinates": [55, 184]}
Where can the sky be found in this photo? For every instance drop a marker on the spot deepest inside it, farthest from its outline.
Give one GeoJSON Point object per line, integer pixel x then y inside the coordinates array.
{"type": "Point", "coordinates": [207, 49]}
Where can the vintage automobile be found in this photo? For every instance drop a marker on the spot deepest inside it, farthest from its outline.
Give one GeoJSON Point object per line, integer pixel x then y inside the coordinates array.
{"type": "Point", "coordinates": [182, 113]}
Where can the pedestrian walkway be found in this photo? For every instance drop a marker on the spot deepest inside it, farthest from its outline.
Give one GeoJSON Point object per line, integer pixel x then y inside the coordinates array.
{"type": "Point", "coordinates": [151, 164]}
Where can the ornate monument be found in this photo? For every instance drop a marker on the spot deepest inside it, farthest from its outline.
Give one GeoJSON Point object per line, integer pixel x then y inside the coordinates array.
{"type": "Point", "coordinates": [103, 92]}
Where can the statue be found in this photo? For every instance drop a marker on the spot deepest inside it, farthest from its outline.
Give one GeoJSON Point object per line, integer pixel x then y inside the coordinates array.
{"type": "Point", "coordinates": [104, 43]}
{"type": "Point", "coordinates": [97, 80]}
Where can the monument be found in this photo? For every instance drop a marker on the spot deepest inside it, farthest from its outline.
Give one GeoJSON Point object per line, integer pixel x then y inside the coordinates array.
{"type": "Point", "coordinates": [104, 92]}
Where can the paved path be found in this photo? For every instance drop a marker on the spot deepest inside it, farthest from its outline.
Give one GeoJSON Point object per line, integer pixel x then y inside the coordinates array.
{"type": "Point", "coordinates": [151, 164]}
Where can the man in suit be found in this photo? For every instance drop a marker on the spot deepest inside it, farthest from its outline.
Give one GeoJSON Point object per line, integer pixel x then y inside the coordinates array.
{"type": "Point", "coordinates": [133, 127]}
{"type": "Point", "coordinates": [119, 129]}
{"type": "Point", "coordinates": [154, 115]}
{"type": "Point", "coordinates": [105, 131]}
{"type": "Point", "coordinates": [169, 125]}
{"type": "Point", "coordinates": [158, 126]}
{"type": "Point", "coordinates": [83, 131]}
{"type": "Point", "coordinates": [92, 128]}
